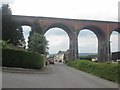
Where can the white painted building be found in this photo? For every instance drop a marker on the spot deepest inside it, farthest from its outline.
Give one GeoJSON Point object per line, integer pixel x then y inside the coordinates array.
{"type": "Point", "coordinates": [59, 56]}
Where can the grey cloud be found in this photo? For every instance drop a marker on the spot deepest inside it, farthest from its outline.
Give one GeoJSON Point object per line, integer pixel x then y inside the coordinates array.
{"type": "Point", "coordinates": [7, 1]}
{"type": "Point", "coordinates": [87, 34]}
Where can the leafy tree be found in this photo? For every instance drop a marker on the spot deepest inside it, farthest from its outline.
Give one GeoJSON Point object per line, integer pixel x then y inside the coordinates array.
{"type": "Point", "coordinates": [38, 43]}
{"type": "Point", "coordinates": [36, 28]}
{"type": "Point", "coordinates": [20, 37]}
{"type": "Point", "coordinates": [5, 44]}
{"type": "Point", "coordinates": [11, 29]}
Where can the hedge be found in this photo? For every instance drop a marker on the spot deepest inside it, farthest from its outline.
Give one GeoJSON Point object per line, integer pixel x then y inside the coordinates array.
{"type": "Point", "coordinates": [22, 59]}
{"type": "Point", "coordinates": [89, 57]}
{"type": "Point", "coordinates": [107, 71]}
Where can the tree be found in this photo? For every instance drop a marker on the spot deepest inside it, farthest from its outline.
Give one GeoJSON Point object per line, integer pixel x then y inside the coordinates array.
{"type": "Point", "coordinates": [5, 44]}
{"type": "Point", "coordinates": [38, 43]}
{"type": "Point", "coordinates": [20, 37]}
{"type": "Point", "coordinates": [36, 28]}
{"type": "Point", "coordinates": [11, 29]}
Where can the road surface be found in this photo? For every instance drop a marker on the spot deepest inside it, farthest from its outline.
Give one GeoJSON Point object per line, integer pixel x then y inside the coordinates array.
{"type": "Point", "coordinates": [62, 77]}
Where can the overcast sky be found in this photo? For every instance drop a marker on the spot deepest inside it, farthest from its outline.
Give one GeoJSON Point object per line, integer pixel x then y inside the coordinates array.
{"type": "Point", "coordinates": [106, 10]}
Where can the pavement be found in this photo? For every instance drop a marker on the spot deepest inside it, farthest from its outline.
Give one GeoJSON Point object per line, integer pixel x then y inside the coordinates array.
{"type": "Point", "coordinates": [44, 70]}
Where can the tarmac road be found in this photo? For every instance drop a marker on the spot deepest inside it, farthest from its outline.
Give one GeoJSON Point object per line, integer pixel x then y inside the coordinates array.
{"type": "Point", "coordinates": [62, 76]}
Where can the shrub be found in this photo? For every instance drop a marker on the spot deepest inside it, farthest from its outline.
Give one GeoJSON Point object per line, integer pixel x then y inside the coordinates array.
{"type": "Point", "coordinates": [20, 58]}
{"type": "Point", "coordinates": [103, 70]}
{"type": "Point", "coordinates": [5, 44]}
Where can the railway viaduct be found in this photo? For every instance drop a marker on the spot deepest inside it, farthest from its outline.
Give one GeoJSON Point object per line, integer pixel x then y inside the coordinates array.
{"type": "Point", "coordinates": [102, 29]}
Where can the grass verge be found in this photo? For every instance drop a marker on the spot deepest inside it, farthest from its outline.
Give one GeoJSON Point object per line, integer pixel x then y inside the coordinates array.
{"type": "Point", "coordinates": [107, 71]}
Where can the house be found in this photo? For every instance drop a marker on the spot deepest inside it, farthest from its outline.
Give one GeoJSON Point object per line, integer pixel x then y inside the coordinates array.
{"type": "Point", "coordinates": [66, 56]}
{"type": "Point", "coordinates": [62, 56]}
{"type": "Point", "coordinates": [59, 56]}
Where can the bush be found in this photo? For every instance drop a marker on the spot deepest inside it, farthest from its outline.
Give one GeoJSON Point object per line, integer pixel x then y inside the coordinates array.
{"type": "Point", "coordinates": [5, 44]}
{"type": "Point", "coordinates": [20, 58]}
{"type": "Point", "coordinates": [103, 70]}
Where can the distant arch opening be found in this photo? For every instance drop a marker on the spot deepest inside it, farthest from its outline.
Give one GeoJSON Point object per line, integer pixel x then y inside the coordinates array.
{"type": "Point", "coordinates": [114, 45]}
{"type": "Point", "coordinates": [87, 43]}
{"type": "Point", "coordinates": [102, 44]}
{"type": "Point", "coordinates": [26, 32]}
{"type": "Point", "coordinates": [58, 42]}
{"type": "Point", "coordinates": [114, 41]}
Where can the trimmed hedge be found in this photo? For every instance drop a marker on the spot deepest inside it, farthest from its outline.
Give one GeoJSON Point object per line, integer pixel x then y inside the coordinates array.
{"type": "Point", "coordinates": [107, 71]}
{"type": "Point", "coordinates": [23, 59]}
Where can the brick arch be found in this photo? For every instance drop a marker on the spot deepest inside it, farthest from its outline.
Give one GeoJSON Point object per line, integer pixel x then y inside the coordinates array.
{"type": "Point", "coordinates": [59, 25]}
{"type": "Point", "coordinates": [23, 23]}
{"type": "Point", "coordinates": [102, 41]}
{"type": "Point", "coordinates": [96, 30]}
{"type": "Point", "coordinates": [73, 49]}
{"type": "Point", "coordinates": [72, 27]}
{"type": "Point", "coordinates": [116, 29]}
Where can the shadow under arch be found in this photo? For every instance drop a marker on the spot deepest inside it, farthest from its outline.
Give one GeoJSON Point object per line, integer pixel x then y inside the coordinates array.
{"type": "Point", "coordinates": [102, 42]}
